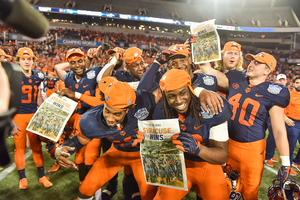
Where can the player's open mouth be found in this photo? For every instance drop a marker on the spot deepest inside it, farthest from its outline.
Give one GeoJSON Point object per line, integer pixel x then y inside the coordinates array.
{"type": "Point", "coordinates": [111, 124]}
{"type": "Point", "coordinates": [181, 107]}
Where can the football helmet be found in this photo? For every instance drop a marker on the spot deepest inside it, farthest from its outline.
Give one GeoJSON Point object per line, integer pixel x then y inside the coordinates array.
{"type": "Point", "coordinates": [234, 182]}
{"type": "Point", "coordinates": [289, 191]}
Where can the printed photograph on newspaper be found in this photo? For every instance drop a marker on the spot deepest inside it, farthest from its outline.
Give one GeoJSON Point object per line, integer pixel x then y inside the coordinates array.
{"type": "Point", "coordinates": [207, 45]}
{"type": "Point", "coordinates": [51, 117]}
{"type": "Point", "coordinates": [163, 163]}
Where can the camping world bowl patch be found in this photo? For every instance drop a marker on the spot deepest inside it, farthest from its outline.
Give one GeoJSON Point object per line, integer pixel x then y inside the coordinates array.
{"type": "Point", "coordinates": [274, 89]}
{"type": "Point", "coordinates": [91, 74]}
{"type": "Point", "coordinates": [208, 80]}
{"type": "Point", "coordinates": [141, 114]}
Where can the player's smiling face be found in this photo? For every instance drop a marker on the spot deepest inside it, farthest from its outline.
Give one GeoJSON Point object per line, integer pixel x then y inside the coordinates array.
{"type": "Point", "coordinates": [77, 66]}
{"type": "Point", "coordinates": [231, 59]}
{"type": "Point", "coordinates": [179, 99]}
{"type": "Point", "coordinates": [181, 62]}
{"type": "Point", "coordinates": [26, 63]}
{"type": "Point", "coordinates": [257, 69]}
{"type": "Point", "coordinates": [113, 117]}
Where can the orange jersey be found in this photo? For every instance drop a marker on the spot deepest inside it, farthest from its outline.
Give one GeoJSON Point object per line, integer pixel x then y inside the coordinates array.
{"type": "Point", "coordinates": [292, 110]}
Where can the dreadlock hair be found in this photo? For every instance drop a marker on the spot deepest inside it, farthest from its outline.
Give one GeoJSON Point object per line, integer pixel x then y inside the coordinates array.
{"type": "Point", "coordinates": [194, 108]}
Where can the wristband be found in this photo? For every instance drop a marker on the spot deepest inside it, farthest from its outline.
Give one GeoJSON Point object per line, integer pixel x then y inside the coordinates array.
{"type": "Point", "coordinates": [198, 90]}
{"type": "Point", "coordinates": [77, 95]}
{"type": "Point", "coordinates": [285, 160]}
{"type": "Point", "coordinates": [285, 118]}
{"type": "Point", "coordinates": [90, 58]}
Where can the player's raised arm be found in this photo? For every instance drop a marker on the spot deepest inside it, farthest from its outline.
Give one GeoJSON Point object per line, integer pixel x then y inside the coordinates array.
{"type": "Point", "coordinates": [221, 77]}
{"type": "Point", "coordinates": [60, 70]}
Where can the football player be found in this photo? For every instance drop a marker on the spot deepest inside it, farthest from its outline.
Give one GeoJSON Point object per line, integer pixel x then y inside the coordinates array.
{"type": "Point", "coordinates": [253, 100]}
{"type": "Point", "coordinates": [81, 84]}
{"type": "Point", "coordinates": [203, 137]}
{"type": "Point", "coordinates": [31, 99]}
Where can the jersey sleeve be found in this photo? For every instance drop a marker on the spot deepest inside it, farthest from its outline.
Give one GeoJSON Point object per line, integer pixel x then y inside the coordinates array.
{"type": "Point", "coordinates": [278, 94]}
{"type": "Point", "coordinates": [236, 75]}
{"type": "Point", "coordinates": [89, 123]}
{"type": "Point", "coordinates": [145, 103]}
{"type": "Point", "coordinates": [206, 81]}
{"type": "Point", "coordinates": [124, 76]}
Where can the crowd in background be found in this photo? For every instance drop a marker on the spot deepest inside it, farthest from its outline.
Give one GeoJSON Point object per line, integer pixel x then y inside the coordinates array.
{"type": "Point", "coordinates": [49, 54]}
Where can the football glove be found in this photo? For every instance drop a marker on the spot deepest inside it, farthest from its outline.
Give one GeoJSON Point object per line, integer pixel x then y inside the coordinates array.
{"type": "Point", "coordinates": [283, 174]}
{"type": "Point", "coordinates": [185, 142]}
{"type": "Point", "coordinates": [133, 141]}
{"type": "Point", "coordinates": [164, 57]}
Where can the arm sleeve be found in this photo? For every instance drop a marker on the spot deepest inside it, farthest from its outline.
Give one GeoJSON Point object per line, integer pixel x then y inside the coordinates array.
{"type": "Point", "coordinates": [90, 100]}
{"type": "Point", "coordinates": [146, 82]}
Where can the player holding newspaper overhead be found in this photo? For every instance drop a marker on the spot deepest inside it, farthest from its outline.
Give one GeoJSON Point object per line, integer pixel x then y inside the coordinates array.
{"type": "Point", "coordinates": [253, 100]}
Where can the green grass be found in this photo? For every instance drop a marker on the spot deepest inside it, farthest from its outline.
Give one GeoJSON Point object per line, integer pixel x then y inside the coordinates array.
{"type": "Point", "coordinates": [66, 181]}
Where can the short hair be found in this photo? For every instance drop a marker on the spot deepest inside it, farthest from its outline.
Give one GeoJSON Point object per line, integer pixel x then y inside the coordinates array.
{"type": "Point", "coordinates": [296, 78]}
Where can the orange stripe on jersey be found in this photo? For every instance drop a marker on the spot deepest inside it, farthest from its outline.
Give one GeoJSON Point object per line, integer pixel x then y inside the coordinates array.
{"type": "Point", "coordinates": [292, 110]}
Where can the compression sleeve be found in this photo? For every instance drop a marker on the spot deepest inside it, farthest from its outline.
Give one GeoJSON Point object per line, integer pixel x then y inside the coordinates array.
{"type": "Point", "coordinates": [90, 100]}
{"type": "Point", "coordinates": [74, 142]}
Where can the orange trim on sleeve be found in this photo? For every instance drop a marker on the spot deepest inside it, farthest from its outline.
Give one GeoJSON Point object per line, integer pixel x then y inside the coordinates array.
{"type": "Point", "coordinates": [90, 100]}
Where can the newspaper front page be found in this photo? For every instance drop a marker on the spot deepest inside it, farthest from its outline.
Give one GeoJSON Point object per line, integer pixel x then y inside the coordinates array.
{"type": "Point", "coordinates": [51, 117]}
{"type": "Point", "coordinates": [207, 45]}
{"type": "Point", "coordinates": [163, 163]}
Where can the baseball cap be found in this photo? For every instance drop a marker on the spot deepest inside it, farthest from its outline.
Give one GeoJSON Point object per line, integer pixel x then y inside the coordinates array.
{"type": "Point", "coordinates": [2, 53]}
{"type": "Point", "coordinates": [104, 82]}
{"type": "Point", "coordinates": [175, 79]}
{"type": "Point", "coordinates": [264, 58]}
{"type": "Point", "coordinates": [74, 53]}
{"type": "Point", "coordinates": [228, 46]}
{"type": "Point", "coordinates": [181, 50]}
{"type": "Point", "coordinates": [114, 50]}
{"type": "Point", "coordinates": [132, 55]}
{"type": "Point", "coordinates": [119, 95]}
{"type": "Point", "coordinates": [25, 52]}
{"type": "Point", "coordinates": [280, 76]}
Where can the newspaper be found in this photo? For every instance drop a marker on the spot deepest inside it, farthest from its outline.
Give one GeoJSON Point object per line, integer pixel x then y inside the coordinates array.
{"type": "Point", "coordinates": [163, 163]}
{"type": "Point", "coordinates": [51, 117]}
{"type": "Point", "coordinates": [207, 45]}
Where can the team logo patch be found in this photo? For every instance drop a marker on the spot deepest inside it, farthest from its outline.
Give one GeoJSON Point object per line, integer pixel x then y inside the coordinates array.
{"type": "Point", "coordinates": [91, 74]}
{"type": "Point", "coordinates": [208, 80]}
{"type": "Point", "coordinates": [205, 115]}
{"type": "Point", "coordinates": [274, 89]}
{"type": "Point", "coordinates": [141, 114]}
{"type": "Point", "coordinates": [41, 75]}
{"type": "Point", "coordinates": [235, 86]}
{"type": "Point", "coordinates": [248, 90]}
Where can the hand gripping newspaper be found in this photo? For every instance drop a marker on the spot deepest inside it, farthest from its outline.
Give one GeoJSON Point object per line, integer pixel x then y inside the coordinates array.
{"type": "Point", "coordinates": [207, 45]}
{"type": "Point", "coordinates": [163, 163]}
{"type": "Point", "coordinates": [51, 117]}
